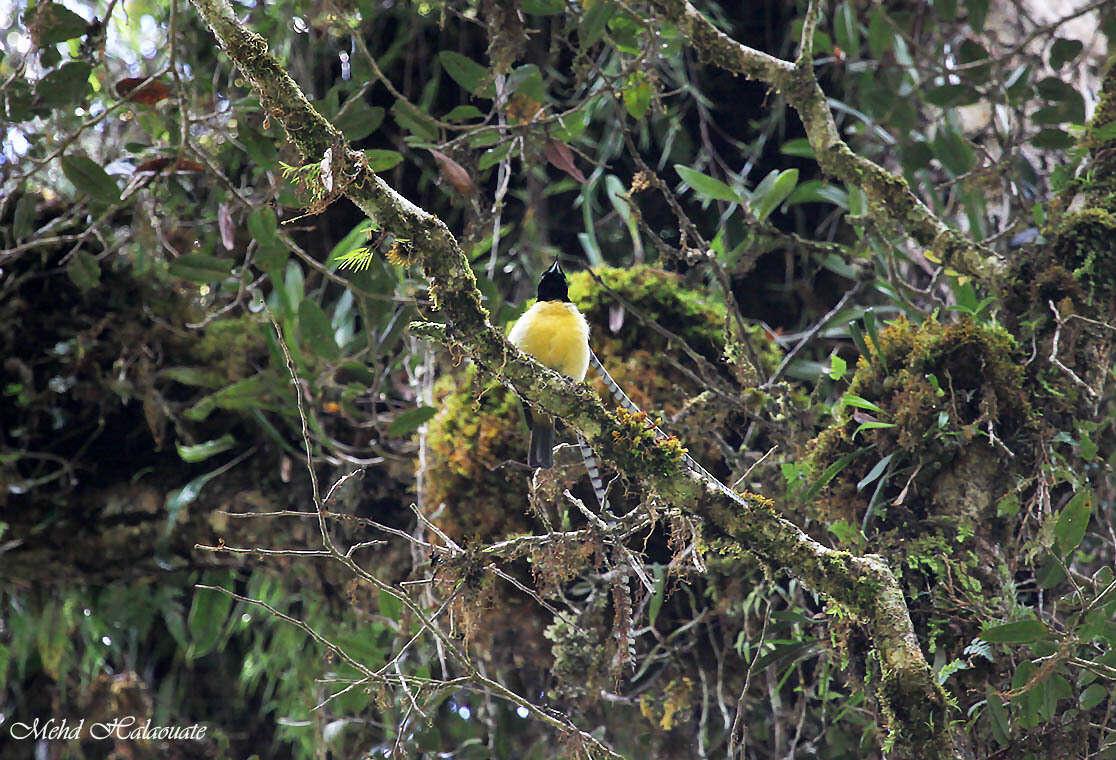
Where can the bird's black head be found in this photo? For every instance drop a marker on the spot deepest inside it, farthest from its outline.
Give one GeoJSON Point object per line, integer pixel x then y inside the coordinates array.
{"type": "Point", "coordinates": [552, 285]}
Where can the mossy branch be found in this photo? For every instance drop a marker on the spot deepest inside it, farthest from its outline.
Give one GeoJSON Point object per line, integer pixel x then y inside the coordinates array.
{"type": "Point", "coordinates": [886, 191]}
{"type": "Point", "coordinates": [911, 698]}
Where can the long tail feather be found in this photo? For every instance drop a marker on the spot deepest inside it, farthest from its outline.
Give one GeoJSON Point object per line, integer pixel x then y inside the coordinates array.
{"type": "Point", "coordinates": [594, 470]}
{"type": "Point", "coordinates": [541, 453]}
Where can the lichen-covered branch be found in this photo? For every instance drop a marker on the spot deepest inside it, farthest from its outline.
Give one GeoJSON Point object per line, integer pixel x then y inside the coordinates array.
{"type": "Point", "coordinates": [864, 586]}
{"type": "Point", "coordinates": [886, 191]}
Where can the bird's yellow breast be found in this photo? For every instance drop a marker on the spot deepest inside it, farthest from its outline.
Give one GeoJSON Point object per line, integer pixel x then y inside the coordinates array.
{"type": "Point", "coordinates": [556, 334]}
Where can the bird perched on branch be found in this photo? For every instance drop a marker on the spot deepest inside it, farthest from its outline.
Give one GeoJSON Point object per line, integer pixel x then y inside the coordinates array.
{"type": "Point", "coordinates": [554, 332]}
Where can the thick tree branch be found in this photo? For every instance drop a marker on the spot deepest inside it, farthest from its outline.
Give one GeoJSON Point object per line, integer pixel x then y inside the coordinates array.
{"type": "Point", "coordinates": [886, 192]}
{"type": "Point", "coordinates": [863, 585]}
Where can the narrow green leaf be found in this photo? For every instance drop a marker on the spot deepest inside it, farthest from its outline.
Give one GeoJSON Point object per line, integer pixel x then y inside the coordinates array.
{"type": "Point", "coordinates": [1019, 632]}
{"type": "Point", "coordinates": [1072, 522]}
{"type": "Point", "coordinates": [829, 474]}
{"type": "Point", "coordinates": [183, 497]}
{"type": "Point", "coordinates": [202, 451]}
{"type": "Point", "coordinates": [782, 187]}
{"type": "Point", "coordinates": [410, 421]}
{"type": "Point", "coordinates": [846, 31]}
{"type": "Point", "coordinates": [874, 473]}
{"type": "Point", "coordinates": [851, 399]}
{"type": "Point", "coordinates": [707, 186]}
{"type": "Point", "coordinates": [88, 177]}
{"type": "Point", "coordinates": [659, 594]}
{"type": "Point", "coordinates": [873, 426]}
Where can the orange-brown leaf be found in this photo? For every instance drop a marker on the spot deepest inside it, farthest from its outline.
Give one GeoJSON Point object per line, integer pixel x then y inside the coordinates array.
{"type": "Point", "coordinates": [150, 94]}
{"type": "Point", "coordinates": [454, 173]}
{"type": "Point", "coordinates": [559, 154]}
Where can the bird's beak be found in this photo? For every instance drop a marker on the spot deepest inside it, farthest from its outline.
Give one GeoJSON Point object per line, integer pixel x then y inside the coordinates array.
{"type": "Point", "coordinates": [554, 268]}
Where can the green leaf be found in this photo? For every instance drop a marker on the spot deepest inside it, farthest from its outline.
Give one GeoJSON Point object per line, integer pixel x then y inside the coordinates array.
{"type": "Point", "coordinates": [202, 451]}
{"type": "Point", "coordinates": [1053, 139]}
{"type": "Point", "coordinates": [382, 160]}
{"type": "Point", "coordinates": [463, 113]}
{"type": "Point", "coordinates": [978, 12]}
{"type": "Point", "coordinates": [84, 270]}
{"type": "Point", "coordinates": [243, 394]}
{"type": "Point", "coordinates": [88, 177]}
{"type": "Point", "coordinates": [879, 34]}
{"type": "Point", "coordinates": [208, 613]}
{"type": "Point", "coordinates": [947, 95]}
{"type": "Point", "coordinates": [955, 153]}
{"type": "Point", "coordinates": [23, 222]}
{"type": "Point", "coordinates": [707, 186]}
{"type": "Point", "coordinates": [544, 7]}
{"type": "Point", "coordinates": [1008, 506]}
{"type": "Point", "coordinates": [799, 147]}
{"type": "Point", "coordinates": [493, 156]}
{"type": "Point", "coordinates": [593, 22]}
{"type": "Point", "coordinates": [873, 425]}
{"type": "Point", "coordinates": [1063, 51]}
{"type": "Point", "coordinates": [317, 334]}
{"type": "Point", "coordinates": [1019, 632]}
{"type": "Point", "coordinates": [54, 23]}
{"type": "Point", "coordinates": [200, 267]}
{"type": "Point", "coordinates": [846, 31]}
{"type": "Point", "coordinates": [781, 187]}
{"type": "Point", "coordinates": [410, 421]}
{"type": "Point", "coordinates": [659, 594]}
{"type": "Point", "coordinates": [637, 95]}
{"type": "Point", "coordinates": [998, 716]}
{"type": "Point", "coordinates": [946, 9]}
{"type": "Point", "coordinates": [390, 606]}
{"type": "Point", "coordinates": [527, 80]}
{"type": "Point", "coordinates": [1092, 696]}
{"type": "Point", "coordinates": [1072, 522]}
{"type": "Point", "coordinates": [414, 121]}
{"type": "Point", "coordinates": [875, 472]}
{"type": "Point", "coordinates": [358, 120]}
{"type": "Point", "coordinates": [851, 399]}
{"type": "Point", "coordinates": [837, 367]}
{"type": "Point", "coordinates": [177, 500]}
{"type": "Point", "coordinates": [466, 72]}
{"type": "Point", "coordinates": [829, 474]}
{"type": "Point", "coordinates": [66, 86]}
{"type": "Point", "coordinates": [263, 225]}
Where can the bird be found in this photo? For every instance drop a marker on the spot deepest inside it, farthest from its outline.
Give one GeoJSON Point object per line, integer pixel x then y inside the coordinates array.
{"type": "Point", "coordinates": [557, 335]}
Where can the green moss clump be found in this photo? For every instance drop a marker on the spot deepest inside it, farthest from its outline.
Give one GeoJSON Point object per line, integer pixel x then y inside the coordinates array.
{"type": "Point", "coordinates": [474, 432]}
{"type": "Point", "coordinates": [1083, 243]}
{"type": "Point", "coordinates": [940, 387]}
{"type": "Point", "coordinates": [232, 346]}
